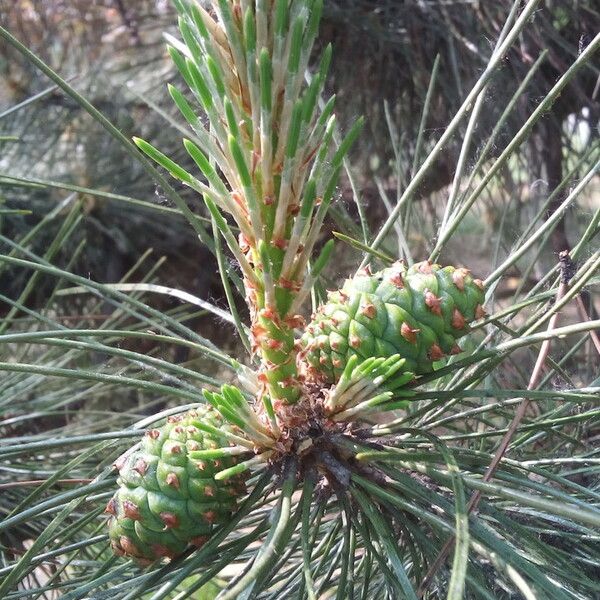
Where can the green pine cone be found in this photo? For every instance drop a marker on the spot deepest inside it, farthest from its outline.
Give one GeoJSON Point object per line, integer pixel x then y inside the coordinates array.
{"type": "Point", "coordinates": [169, 499]}
{"type": "Point", "coordinates": [417, 312]}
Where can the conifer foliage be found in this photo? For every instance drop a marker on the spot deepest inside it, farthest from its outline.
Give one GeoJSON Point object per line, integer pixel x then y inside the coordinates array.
{"type": "Point", "coordinates": [337, 458]}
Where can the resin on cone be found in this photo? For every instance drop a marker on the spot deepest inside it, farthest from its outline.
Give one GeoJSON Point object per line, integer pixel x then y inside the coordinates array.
{"type": "Point", "coordinates": [168, 498]}
{"type": "Point", "coordinates": [418, 312]}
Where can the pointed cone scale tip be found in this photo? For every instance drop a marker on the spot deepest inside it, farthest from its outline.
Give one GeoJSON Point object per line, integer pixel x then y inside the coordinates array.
{"type": "Point", "coordinates": [433, 303]}
{"type": "Point", "coordinates": [436, 353]}
{"type": "Point", "coordinates": [408, 333]}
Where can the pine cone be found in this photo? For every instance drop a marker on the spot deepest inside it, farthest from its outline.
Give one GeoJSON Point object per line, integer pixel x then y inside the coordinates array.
{"type": "Point", "coordinates": [417, 312]}
{"type": "Point", "coordinates": [167, 497]}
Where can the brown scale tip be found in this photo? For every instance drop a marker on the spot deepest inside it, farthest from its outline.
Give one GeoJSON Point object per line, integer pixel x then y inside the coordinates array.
{"type": "Point", "coordinates": [153, 434]}
{"type": "Point", "coordinates": [169, 519]}
{"type": "Point", "coordinates": [201, 465]}
{"type": "Point", "coordinates": [160, 550]}
{"type": "Point", "coordinates": [479, 284]}
{"type": "Point", "coordinates": [111, 507]}
{"type": "Point", "coordinates": [174, 419]}
{"type": "Point", "coordinates": [323, 360]}
{"type": "Point", "coordinates": [408, 333]}
{"type": "Point", "coordinates": [268, 313]}
{"type": "Point", "coordinates": [217, 463]}
{"type": "Point", "coordinates": [191, 430]}
{"type": "Point", "coordinates": [458, 278]}
{"type": "Point", "coordinates": [435, 352]}
{"type": "Point", "coordinates": [141, 466]}
{"type": "Point", "coordinates": [458, 320]}
{"type": "Point", "coordinates": [397, 280]}
{"type": "Point", "coordinates": [369, 311]}
{"type": "Point", "coordinates": [210, 516]}
{"type": "Point", "coordinates": [116, 548]}
{"type": "Point", "coordinates": [480, 312]}
{"type": "Point", "coordinates": [289, 284]}
{"type": "Point", "coordinates": [337, 363]}
{"type": "Point", "coordinates": [128, 546]}
{"type": "Point", "coordinates": [193, 445]}
{"type": "Point", "coordinates": [178, 429]}
{"type": "Point", "coordinates": [354, 341]}
{"type": "Point", "coordinates": [295, 321]}
{"type": "Point", "coordinates": [275, 344]}
{"type": "Point", "coordinates": [425, 267]}
{"type": "Point", "coordinates": [175, 449]}
{"type": "Point", "coordinates": [433, 302]}
{"type": "Point", "coordinates": [456, 349]}
{"type": "Point", "coordinates": [209, 491]}
{"type": "Point", "coordinates": [258, 331]}
{"type": "Point", "coordinates": [172, 480]}
{"type": "Point", "coordinates": [120, 462]}
{"type": "Point", "coordinates": [131, 510]}
{"type": "Point", "coordinates": [199, 541]}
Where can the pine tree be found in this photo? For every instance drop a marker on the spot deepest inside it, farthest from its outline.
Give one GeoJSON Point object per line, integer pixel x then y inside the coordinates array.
{"type": "Point", "coordinates": [342, 446]}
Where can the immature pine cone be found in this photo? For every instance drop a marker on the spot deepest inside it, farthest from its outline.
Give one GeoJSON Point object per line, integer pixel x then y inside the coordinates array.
{"type": "Point", "coordinates": [417, 312]}
{"type": "Point", "coordinates": [167, 498]}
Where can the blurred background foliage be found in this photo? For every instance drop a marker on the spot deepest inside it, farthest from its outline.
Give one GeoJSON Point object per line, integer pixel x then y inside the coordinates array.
{"type": "Point", "coordinates": [384, 65]}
